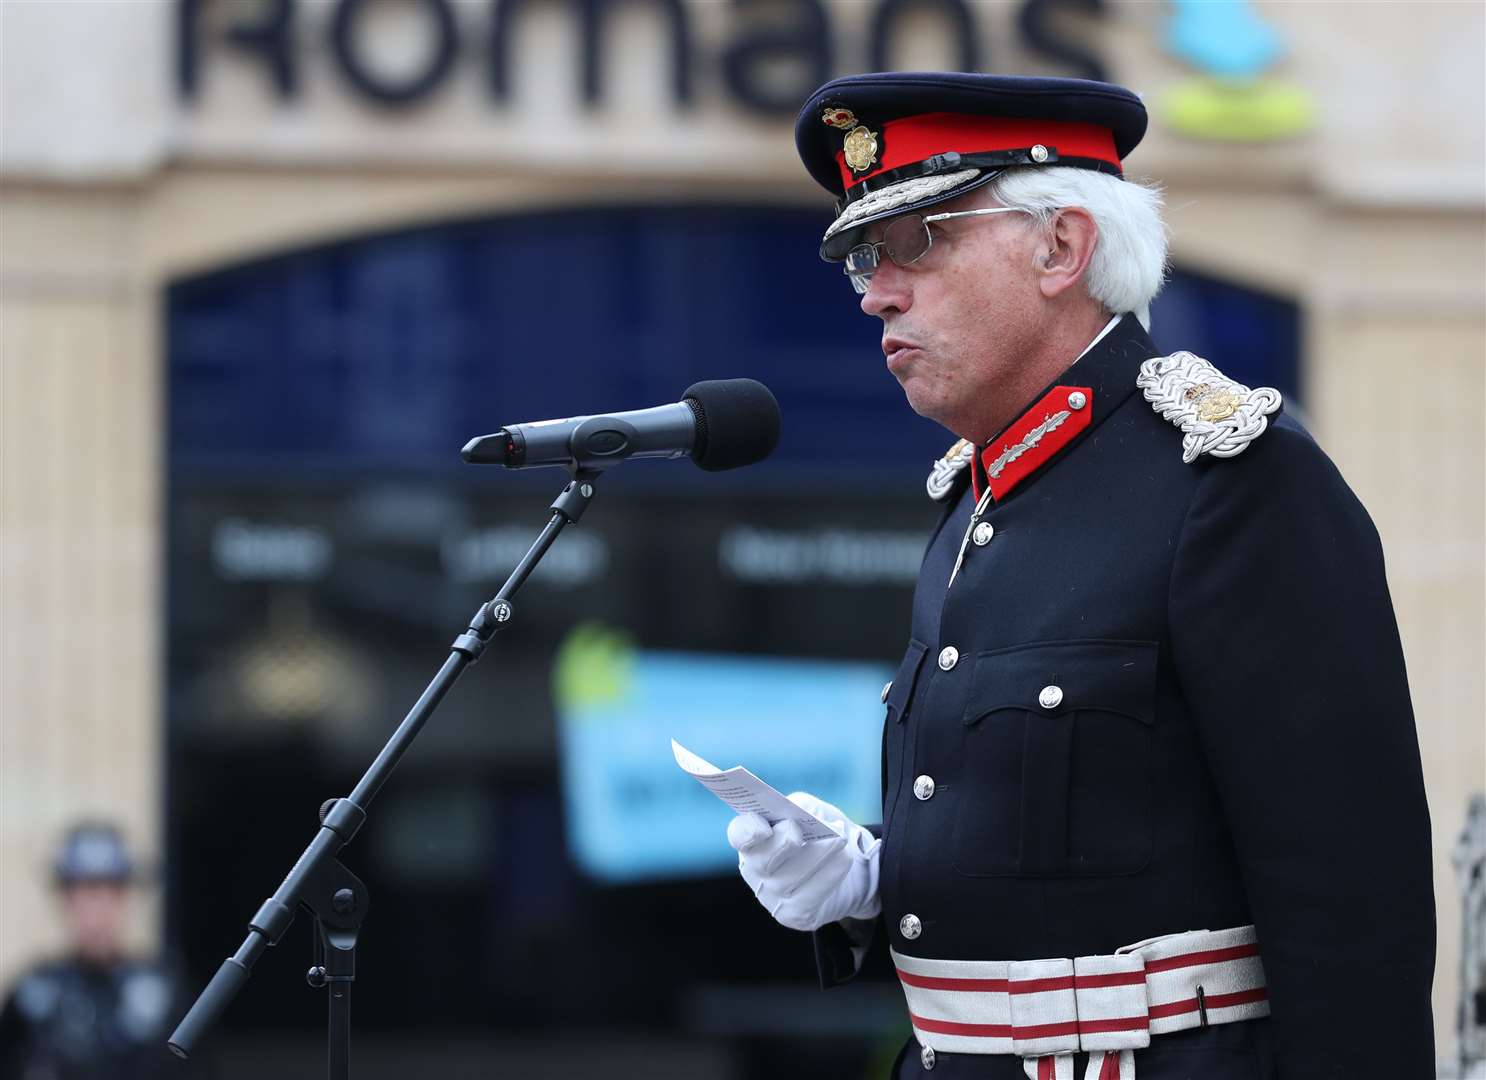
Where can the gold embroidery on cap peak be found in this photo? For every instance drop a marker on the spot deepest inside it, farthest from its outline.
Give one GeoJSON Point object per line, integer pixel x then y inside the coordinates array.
{"type": "Point", "coordinates": [844, 119]}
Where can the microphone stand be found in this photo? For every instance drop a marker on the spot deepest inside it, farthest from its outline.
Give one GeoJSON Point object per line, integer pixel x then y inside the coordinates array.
{"type": "Point", "coordinates": [318, 882]}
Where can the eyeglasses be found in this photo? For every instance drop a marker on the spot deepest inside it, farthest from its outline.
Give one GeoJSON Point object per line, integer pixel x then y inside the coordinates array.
{"type": "Point", "coordinates": [906, 240]}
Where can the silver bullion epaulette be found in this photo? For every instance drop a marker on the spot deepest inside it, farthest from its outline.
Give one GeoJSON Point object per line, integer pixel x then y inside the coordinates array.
{"type": "Point", "coordinates": [941, 479]}
{"type": "Point", "coordinates": [1217, 415]}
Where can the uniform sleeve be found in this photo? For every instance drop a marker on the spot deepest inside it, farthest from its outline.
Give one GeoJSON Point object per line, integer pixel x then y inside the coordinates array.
{"type": "Point", "coordinates": [842, 948]}
{"type": "Point", "coordinates": [1287, 651]}
{"type": "Point", "coordinates": [12, 1039]}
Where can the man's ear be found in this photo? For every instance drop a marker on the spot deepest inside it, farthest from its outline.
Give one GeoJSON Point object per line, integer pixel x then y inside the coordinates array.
{"type": "Point", "coordinates": [1068, 246]}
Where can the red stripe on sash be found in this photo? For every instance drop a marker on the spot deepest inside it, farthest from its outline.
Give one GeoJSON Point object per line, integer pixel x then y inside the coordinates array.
{"type": "Point", "coordinates": [1127, 1023]}
{"type": "Point", "coordinates": [1210, 956]}
{"type": "Point", "coordinates": [935, 982]}
{"type": "Point", "coordinates": [1213, 1001]}
{"type": "Point", "coordinates": [1041, 986]}
{"type": "Point", "coordinates": [1119, 978]}
{"type": "Point", "coordinates": [951, 1027]}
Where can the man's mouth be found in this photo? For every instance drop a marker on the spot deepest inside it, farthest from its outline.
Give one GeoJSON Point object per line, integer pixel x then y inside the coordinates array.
{"type": "Point", "coordinates": [894, 348]}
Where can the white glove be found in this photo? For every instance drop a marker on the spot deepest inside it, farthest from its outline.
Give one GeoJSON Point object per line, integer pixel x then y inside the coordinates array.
{"type": "Point", "coordinates": [807, 884]}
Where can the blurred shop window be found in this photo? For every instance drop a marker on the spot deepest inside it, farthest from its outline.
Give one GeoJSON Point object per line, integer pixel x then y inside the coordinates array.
{"type": "Point", "coordinates": [1251, 335]}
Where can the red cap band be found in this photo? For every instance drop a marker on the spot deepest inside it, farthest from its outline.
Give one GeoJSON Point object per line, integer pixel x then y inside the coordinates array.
{"type": "Point", "coordinates": [917, 138]}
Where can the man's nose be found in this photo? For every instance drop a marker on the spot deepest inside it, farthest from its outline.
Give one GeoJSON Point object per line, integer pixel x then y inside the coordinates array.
{"type": "Point", "coordinates": [888, 290]}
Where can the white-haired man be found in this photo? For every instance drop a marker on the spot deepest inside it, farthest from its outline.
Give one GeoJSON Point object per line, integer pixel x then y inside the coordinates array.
{"type": "Point", "coordinates": [1152, 797]}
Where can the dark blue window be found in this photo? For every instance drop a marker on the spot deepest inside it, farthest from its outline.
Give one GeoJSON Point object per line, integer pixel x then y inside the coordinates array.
{"type": "Point", "coordinates": [389, 351]}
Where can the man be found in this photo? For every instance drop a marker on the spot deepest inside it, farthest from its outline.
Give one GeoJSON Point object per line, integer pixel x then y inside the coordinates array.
{"type": "Point", "coordinates": [1152, 799]}
{"type": "Point", "coordinates": [95, 1013]}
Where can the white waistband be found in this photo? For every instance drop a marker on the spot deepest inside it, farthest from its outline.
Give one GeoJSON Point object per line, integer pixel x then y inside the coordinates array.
{"type": "Point", "coordinates": [1053, 1008]}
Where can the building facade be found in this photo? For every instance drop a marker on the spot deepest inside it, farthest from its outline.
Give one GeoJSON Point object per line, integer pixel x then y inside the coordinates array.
{"type": "Point", "coordinates": [1341, 166]}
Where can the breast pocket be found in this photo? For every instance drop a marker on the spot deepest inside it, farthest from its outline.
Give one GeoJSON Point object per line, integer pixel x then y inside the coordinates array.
{"type": "Point", "coordinates": [1057, 758]}
{"type": "Point", "coordinates": [898, 696]}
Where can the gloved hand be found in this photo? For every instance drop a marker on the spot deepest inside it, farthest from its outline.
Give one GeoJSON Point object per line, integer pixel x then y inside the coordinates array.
{"type": "Point", "coordinates": [807, 884]}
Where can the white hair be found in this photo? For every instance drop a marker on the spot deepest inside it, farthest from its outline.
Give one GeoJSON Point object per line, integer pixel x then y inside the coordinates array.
{"type": "Point", "coordinates": [1128, 267]}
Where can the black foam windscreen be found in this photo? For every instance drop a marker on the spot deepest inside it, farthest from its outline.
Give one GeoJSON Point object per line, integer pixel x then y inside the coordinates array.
{"type": "Point", "coordinates": [737, 422]}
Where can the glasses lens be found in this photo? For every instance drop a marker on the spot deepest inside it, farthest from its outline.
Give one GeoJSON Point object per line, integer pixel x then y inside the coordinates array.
{"type": "Point", "coordinates": [861, 259]}
{"type": "Point", "coordinates": [906, 239]}
{"type": "Point", "coordinates": [860, 262]}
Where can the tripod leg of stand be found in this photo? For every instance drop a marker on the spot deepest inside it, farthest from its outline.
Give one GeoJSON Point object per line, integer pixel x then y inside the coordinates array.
{"type": "Point", "coordinates": [318, 881]}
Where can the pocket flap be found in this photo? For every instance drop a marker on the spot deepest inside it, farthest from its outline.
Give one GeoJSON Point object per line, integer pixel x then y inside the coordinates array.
{"type": "Point", "coordinates": [901, 688]}
{"type": "Point", "coordinates": [1056, 678]}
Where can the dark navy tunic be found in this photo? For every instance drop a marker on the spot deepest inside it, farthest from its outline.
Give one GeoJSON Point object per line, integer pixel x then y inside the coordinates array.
{"type": "Point", "coordinates": [1234, 742]}
{"type": "Point", "coordinates": [73, 1020]}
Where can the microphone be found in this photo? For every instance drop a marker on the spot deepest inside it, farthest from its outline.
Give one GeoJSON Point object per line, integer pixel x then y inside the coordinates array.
{"type": "Point", "coordinates": [721, 424]}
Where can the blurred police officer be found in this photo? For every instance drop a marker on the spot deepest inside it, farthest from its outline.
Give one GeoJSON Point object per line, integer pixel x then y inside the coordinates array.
{"type": "Point", "coordinates": [94, 1014]}
{"type": "Point", "coordinates": [1152, 798]}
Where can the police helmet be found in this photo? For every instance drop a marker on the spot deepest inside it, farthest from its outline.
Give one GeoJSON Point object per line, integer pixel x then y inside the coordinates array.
{"type": "Point", "coordinates": [93, 852]}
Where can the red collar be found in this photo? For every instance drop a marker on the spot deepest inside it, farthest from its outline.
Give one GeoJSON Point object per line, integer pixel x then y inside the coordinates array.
{"type": "Point", "coordinates": [1033, 439]}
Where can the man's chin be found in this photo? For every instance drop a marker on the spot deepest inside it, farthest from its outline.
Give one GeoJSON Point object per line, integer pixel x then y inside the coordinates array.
{"type": "Point", "coordinates": [921, 401]}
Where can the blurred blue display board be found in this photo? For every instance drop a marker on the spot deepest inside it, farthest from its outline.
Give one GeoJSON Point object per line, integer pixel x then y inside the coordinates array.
{"type": "Point", "coordinates": [633, 816]}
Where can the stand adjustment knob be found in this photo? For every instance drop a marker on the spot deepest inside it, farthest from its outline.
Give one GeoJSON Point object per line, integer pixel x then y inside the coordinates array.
{"type": "Point", "coordinates": [315, 976]}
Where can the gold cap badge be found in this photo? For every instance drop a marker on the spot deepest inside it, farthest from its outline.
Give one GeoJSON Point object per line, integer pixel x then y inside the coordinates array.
{"type": "Point", "coordinates": [844, 119]}
{"type": "Point", "coordinates": [861, 149]}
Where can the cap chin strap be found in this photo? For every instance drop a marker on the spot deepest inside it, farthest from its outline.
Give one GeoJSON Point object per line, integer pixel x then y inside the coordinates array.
{"type": "Point", "coordinates": [950, 161]}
